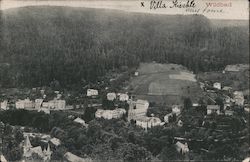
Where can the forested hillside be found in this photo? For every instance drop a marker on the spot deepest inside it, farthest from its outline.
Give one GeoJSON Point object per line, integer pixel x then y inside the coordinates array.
{"type": "Point", "coordinates": [77, 45]}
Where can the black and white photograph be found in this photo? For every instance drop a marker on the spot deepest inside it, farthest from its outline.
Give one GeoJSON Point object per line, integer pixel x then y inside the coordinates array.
{"type": "Point", "coordinates": [124, 81]}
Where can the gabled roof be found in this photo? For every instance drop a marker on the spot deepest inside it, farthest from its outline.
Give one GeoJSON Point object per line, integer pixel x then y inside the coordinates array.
{"type": "Point", "coordinates": [80, 121]}
{"type": "Point", "coordinates": [27, 142]}
{"type": "Point", "coordinates": [55, 141]}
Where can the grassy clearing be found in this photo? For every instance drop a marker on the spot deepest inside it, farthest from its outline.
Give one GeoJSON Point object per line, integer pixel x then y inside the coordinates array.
{"type": "Point", "coordinates": [169, 83]}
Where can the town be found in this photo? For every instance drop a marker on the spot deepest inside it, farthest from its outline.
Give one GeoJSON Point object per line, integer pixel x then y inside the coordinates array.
{"type": "Point", "coordinates": [211, 120]}
{"type": "Point", "coordinates": [84, 81]}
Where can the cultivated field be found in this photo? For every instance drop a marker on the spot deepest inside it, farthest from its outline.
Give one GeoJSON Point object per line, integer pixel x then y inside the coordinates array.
{"type": "Point", "coordinates": [164, 83]}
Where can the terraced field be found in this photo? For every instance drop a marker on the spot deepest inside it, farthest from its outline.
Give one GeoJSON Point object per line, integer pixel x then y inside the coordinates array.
{"type": "Point", "coordinates": [164, 83]}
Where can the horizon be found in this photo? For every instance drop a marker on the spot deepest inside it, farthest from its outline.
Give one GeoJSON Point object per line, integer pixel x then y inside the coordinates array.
{"type": "Point", "coordinates": [238, 10]}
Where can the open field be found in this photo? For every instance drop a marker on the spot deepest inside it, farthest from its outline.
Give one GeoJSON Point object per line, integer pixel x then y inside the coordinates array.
{"type": "Point", "coordinates": [169, 83]}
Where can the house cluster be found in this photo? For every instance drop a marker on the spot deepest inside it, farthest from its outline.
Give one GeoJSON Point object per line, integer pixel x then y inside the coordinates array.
{"type": "Point", "coordinates": [41, 105]}
{"type": "Point", "coordinates": [29, 151]}
{"type": "Point", "coordinates": [137, 112]}
{"type": "Point", "coordinates": [45, 138]}
{"type": "Point", "coordinates": [230, 98]}
{"type": "Point", "coordinates": [110, 114]}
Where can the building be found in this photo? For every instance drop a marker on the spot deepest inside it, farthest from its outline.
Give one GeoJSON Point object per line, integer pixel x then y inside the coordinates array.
{"type": "Point", "coordinates": [137, 109]}
{"type": "Point", "coordinates": [45, 110]}
{"type": "Point", "coordinates": [110, 114]}
{"type": "Point", "coordinates": [4, 105]}
{"type": "Point", "coordinates": [217, 85]}
{"type": "Point", "coordinates": [247, 107]}
{"type": "Point", "coordinates": [167, 117]}
{"type": "Point", "coordinates": [227, 88]}
{"type": "Point", "coordinates": [148, 122]}
{"type": "Point", "coordinates": [180, 123]}
{"type": "Point", "coordinates": [111, 96]}
{"type": "Point", "coordinates": [213, 109]}
{"type": "Point", "coordinates": [2, 158]}
{"type": "Point", "coordinates": [229, 112]}
{"type": "Point", "coordinates": [123, 97]}
{"type": "Point", "coordinates": [69, 157]}
{"type": "Point", "coordinates": [238, 98]}
{"type": "Point", "coordinates": [246, 159]}
{"type": "Point", "coordinates": [195, 105]}
{"type": "Point", "coordinates": [92, 92]}
{"type": "Point", "coordinates": [176, 110]}
{"type": "Point", "coordinates": [142, 104]}
{"type": "Point", "coordinates": [136, 73]}
{"type": "Point", "coordinates": [28, 150]}
{"type": "Point", "coordinates": [81, 121]}
{"type": "Point", "coordinates": [25, 104]}
{"type": "Point", "coordinates": [54, 104]}
{"type": "Point", "coordinates": [38, 103]}
{"type": "Point", "coordinates": [182, 148]}
{"type": "Point", "coordinates": [55, 141]}
{"type": "Point", "coordinates": [140, 108]}
{"type": "Point", "coordinates": [236, 68]}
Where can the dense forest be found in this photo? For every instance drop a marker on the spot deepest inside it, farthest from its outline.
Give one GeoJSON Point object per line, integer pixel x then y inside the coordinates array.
{"type": "Point", "coordinates": [39, 45]}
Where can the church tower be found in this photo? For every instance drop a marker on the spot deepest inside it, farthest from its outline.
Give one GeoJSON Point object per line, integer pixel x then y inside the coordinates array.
{"type": "Point", "coordinates": [27, 145]}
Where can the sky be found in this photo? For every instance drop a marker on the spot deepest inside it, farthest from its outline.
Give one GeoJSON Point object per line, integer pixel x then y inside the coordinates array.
{"type": "Point", "coordinates": [213, 9]}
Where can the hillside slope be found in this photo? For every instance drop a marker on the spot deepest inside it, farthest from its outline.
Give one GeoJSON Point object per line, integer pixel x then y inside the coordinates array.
{"type": "Point", "coordinates": [75, 45]}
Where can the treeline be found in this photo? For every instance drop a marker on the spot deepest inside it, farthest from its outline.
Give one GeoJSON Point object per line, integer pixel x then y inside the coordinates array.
{"type": "Point", "coordinates": [76, 46]}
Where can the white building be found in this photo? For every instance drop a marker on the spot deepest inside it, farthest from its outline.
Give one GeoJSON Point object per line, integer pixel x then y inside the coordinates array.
{"type": "Point", "coordinates": [45, 110]}
{"type": "Point", "coordinates": [54, 104]}
{"type": "Point", "coordinates": [123, 97]}
{"type": "Point", "coordinates": [239, 98]}
{"type": "Point", "coordinates": [176, 110]}
{"type": "Point", "coordinates": [217, 85]}
{"type": "Point", "coordinates": [4, 105]}
{"type": "Point", "coordinates": [81, 121]}
{"type": "Point", "coordinates": [2, 158]}
{"type": "Point", "coordinates": [229, 112]}
{"type": "Point", "coordinates": [195, 104]}
{"type": "Point", "coordinates": [111, 96]}
{"type": "Point", "coordinates": [182, 148]}
{"type": "Point", "coordinates": [92, 92]}
{"type": "Point", "coordinates": [213, 109]}
{"type": "Point", "coordinates": [227, 88]}
{"type": "Point", "coordinates": [110, 114]}
{"type": "Point", "coordinates": [142, 104]}
{"type": "Point", "coordinates": [69, 157]}
{"type": "Point", "coordinates": [148, 122]}
{"type": "Point", "coordinates": [25, 104]}
{"type": "Point", "coordinates": [55, 141]}
{"type": "Point", "coordinates": [38, 103]}
{"type": "Point", "coordinates": [136, 73]}
{"type": "Point", "coordinates": [236, 68]}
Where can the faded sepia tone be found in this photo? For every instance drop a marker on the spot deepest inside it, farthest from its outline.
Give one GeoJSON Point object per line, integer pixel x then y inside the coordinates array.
{"type": "Point", "coordinates": [86, 81]}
